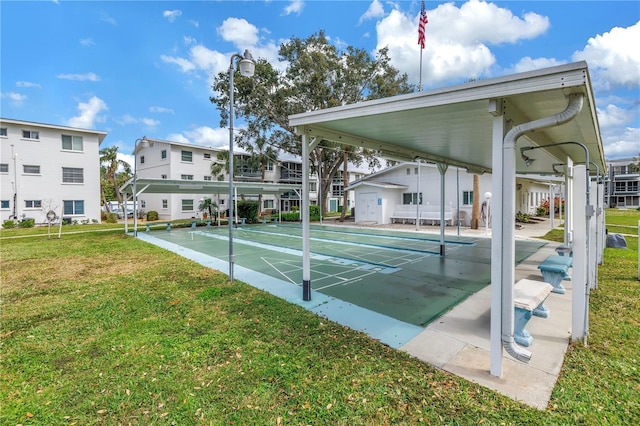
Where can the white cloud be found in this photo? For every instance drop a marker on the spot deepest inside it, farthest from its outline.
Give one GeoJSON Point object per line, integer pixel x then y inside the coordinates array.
{"type": "Point", "coordinates": [619, 136]}
{"type": "Point", "coordinates": [375, 10]}
{"type": "Point", "coordinates": [160, 109]}
{"type": "Point", "coordinates": [204, 136]}
{"type": "Point", "coordinates": [172, 15]}
{"type": "Point", "coordinates": [150, 122]}
{"type": "Point", "coordinates": [184, 64]}
{"type": "Point", "coordinates": [16, 98]}
{"type": "Point", "coordinates": [108, 19]}
{"type": "Point", "coordinates": [239, 32]}
{"type": "Point", "coordinates": [194, 23]}
{"type": "Point", "coordinates": [188, 40]}
{"type": "Point", "coordinates": [87, 42]}
{"type": "Point", "coordinates": [623, 145]}
{"type": "Point", "coordinates": [295, 6]}
{"type": "Point", "coordinates": [529, 64]}
{"type": "Point", "coordinates": [79, 77]}
{"type": "Point", "coordinates": [614, 57]}
{"type": "Point", "coordinates": [28, 84]}
{"type": "Point", "coordinates": [457, 39]}
{"type": "Point", "coordinates": [89, 113]}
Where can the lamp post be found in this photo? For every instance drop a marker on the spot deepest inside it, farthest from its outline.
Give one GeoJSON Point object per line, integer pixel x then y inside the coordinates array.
{"type": "Point", "coordinates": [247, 68]}
{"type": "Point", "coordinates": [145, 143]}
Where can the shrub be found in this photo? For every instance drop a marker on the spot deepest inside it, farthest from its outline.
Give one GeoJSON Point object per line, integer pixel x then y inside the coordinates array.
{"type": "Point", "coordinates": [249, 210]}
{"type": "Point", "coordinates": [111, 218]}
{"type": "Point", "coordinates": [8, 224]}
{"type": "Point", "coordinates": [290, 217]}
{"type": "Point", "coordinates": [152, 215]}
{"type": "Point", "coordinates": [27, 223]}
{"type": "Point", "coordinates": [522, 217]}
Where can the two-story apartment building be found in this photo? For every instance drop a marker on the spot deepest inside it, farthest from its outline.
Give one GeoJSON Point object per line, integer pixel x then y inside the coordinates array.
{"type": "Point", "coordinates": [45, 167]}
{"type": "Point", "coordinates": [622, 188]}
{"type": "Point", "coordinates": [162, 159]}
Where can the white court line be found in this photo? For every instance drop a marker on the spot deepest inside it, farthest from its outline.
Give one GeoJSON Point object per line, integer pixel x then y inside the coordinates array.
{"type": "Point", "coordinates": [278, 271]}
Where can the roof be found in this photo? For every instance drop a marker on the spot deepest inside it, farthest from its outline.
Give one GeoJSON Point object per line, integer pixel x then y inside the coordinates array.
{"type": "Point", "coordinates": [454, 125]}
{"type": "Point", "coordinates": [166, 186]}
{"type": "Point", "coordinates": [101, 134]}
{"type": "Point", "coordinates": [385, 185]}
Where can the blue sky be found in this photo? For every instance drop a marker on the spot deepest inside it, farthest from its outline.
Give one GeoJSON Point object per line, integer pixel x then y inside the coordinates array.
{"type": "Point", "coordinates": [145, 68]}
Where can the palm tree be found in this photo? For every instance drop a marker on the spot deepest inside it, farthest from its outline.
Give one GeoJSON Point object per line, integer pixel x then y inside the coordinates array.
{"type": "Point", "coordinates": [209, 205]}
{"type": "Point", "coordinates": [221, 166]}
{"type": "Point", "coordinates": [109, 160]}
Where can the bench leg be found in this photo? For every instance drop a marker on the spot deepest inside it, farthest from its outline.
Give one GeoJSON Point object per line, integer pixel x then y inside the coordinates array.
{"type": "Point", "coordinates": [542, 311]}
{"type": "Point", "coordinates": [147, 229]}
{"type": "Point", "coordinates": [208, 223]}
{"type": "Point", "coordinates": [555, 279]}
{"type": "Point", "coordinates": [168, 226]}
{"type": "Point", "coordinates": [521, 335]}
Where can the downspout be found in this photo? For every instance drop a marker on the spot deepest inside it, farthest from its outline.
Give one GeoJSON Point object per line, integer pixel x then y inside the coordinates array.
{"type": "Point", "coordinates": [509, 145]}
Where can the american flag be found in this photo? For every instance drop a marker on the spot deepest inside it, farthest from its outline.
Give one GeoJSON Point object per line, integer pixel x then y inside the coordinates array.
{"type": "Point", "coordinates": [423, 22]}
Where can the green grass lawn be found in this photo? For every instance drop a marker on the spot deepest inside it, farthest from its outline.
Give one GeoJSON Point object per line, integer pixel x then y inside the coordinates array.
{"type": "Point", "coordinates": [99, 328]}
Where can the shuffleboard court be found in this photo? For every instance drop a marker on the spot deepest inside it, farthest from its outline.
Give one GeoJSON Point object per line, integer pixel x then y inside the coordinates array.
{"type": "Point", "coordinates": [398, 274]}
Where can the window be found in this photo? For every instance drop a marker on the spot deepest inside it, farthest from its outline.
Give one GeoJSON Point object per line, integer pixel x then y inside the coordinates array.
{"type": "Point", "coordinates": [3, 131]}
{"type": "Point", "coordinates": [207, 178]}
{"type": "Point", "coordinates": [187, 205]}
{"type": "Point", "coordinates": [207, 156]}
{"type": "Point", "coordinates": [163, 176]}
{"type": "Point", "coordinates": [337, 190]}
{"type": "Point", "coordinates": [313, 186]}
{"type": "Point", "coordinates": [408, 171]}
{"type": "Point", "coordinates": [30, 134]}
{"type": "Point", "coordinates": [143, 204]}
{"type": "Point", "coordinates": [186, 177]}
{"type": "Point", "coordinates": [187, 156]}
{"type": "Point", "coordinates": [4, 204]}
{"type": "Point", "coordinates": [73, 206]}
{"type": "Point", "coordinates": [415, 171]}
{"type": "Point", "coordinates": [411, 198]}
{"type": "Point", "coordinates": [165, 204]}
{"type": "Point", "coordinates": [72, 143]}
{"type": "Point", "coordinates": [32, 170]}
{"type": "Point", "coordinates": [142, 159]}
{"type": "Point", "coordinates": [163, 154]}
{"type": "Point", "coordinates": [32, 204]}
{"type": "Point", "coordinates": [4, 168]}
{"type": "Point", "coordinates": [269, 166]}
{"type": "Point", "coordinates": [267, 204]}
{"type": "Point", "coordinates": [72, 175]}
{"type": "Point", "coordinates": [467, 197]}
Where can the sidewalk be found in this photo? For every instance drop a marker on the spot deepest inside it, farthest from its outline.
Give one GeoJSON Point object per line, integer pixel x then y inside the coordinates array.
{"type": "Point", "coordinates": [459, 341]}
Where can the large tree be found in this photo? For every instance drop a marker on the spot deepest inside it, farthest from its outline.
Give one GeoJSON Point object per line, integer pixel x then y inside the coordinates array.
{"type": "Point", "coordinates": [113, 172]}
{"type": "Point", "coordinates": [318, 75]}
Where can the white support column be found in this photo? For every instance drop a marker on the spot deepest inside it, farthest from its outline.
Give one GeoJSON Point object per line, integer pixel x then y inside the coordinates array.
{"type": "Point", "coordinates": [443, 170]}
{"type": "Point", "coordinates": [497, 247]}
{"type": "Point", "coordinates": [579, 277]}
{"type": "Point", "coordinates": [568, 203]}
{"type": "Point", "coordinates": [592, 262]}
{"type": "Point", "coordinates": [552, 206]}
{"type": "Point", "coordinates": [304, 212]}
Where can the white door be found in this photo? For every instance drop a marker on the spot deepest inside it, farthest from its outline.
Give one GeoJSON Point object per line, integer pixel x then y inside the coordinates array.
{"type": "Point", "coordinates": [366, 206]}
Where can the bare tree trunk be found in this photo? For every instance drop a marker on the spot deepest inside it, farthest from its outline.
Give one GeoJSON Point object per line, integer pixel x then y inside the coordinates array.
{"type": "Point", "coordinates": [345, 183]}
{"type": "Point", "coordinates": [475, 210]}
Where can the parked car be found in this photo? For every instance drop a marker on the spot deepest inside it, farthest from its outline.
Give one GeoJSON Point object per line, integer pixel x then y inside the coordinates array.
{"type": "Point", "coordinates": [120, 214]}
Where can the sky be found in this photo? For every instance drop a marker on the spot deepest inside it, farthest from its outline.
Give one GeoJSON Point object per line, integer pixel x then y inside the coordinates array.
{"type": "Point", "coordinates": [145, 68]}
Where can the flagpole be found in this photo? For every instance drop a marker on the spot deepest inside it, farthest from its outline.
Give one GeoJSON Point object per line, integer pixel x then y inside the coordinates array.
{"type": "Point", "coordinates": [420, 83]}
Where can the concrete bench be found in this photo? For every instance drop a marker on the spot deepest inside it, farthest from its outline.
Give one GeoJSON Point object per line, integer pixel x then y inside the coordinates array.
{"type": "Point", "coordinates": [266, 219]}
{"type": "Point", "coordinates": [564, 249]}
{"type": "Point", "coordinates": [432, 214]}
{"type": "Point", "coordinates": [148, 225]}
{"type": "Point", "coordinates": [554, 270]}
{"type": "Point", "coordinates": [528, 298]}
{"type": "Point", "coordinates": [404, 212]}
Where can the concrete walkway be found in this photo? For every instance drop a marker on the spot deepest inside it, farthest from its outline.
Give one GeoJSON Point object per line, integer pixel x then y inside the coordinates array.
{"type": "Point", "coordinates": [459, 341]}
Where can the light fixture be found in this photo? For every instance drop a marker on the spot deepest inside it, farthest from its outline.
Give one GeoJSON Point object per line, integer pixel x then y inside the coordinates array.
{"type": "Point", "coordinates": [144, 142]}
{"type": "Point", "coordinates": [554, 165]}
{"type": "Point", "coordinates": [527, 161]}
{"type": "Point", "coordinates": [247, 68]}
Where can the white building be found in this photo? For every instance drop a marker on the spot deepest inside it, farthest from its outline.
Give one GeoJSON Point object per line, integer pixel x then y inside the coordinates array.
{"type": "Point", "coordinates": [170, 160]}
{"type": "Point", "coordinates": [46, 167]}
{"type": "Point", "coordinates": [379, 195]}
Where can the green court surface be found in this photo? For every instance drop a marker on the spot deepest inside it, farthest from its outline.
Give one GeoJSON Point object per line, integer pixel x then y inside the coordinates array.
{"type": "Point", "coordinates": [398, 274]}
